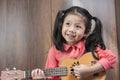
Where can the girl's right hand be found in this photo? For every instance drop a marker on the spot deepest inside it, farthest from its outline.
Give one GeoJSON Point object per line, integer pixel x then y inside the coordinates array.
{"type": "Point", "coordinates": [37, 74]}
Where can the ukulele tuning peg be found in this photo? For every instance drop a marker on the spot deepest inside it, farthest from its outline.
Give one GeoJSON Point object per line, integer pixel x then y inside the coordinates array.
{"type": "Point", "coordinates": [7, 70]}
{"type": "Point", "coordinates": [14, 68]}
{"type": "Point", "coordinates": [15, 73]}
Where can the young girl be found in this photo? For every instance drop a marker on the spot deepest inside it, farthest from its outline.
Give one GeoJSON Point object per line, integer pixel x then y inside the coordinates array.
{"type": "Point", "coordinates": [76, 32]}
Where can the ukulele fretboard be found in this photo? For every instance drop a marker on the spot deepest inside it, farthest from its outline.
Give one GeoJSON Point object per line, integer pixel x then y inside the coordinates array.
{"type": "Point", "coordinates": [60, 71]}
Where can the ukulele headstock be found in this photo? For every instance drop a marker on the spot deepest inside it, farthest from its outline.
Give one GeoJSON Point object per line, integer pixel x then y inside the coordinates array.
{"type": "Point", "coordinates": [13, 74]}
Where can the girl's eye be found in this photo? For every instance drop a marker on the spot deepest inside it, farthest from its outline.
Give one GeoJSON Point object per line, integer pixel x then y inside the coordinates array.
{"type": "Point", "coordinates": [78, 27]}
{"type": "Point", "coordinates": [68, 24]}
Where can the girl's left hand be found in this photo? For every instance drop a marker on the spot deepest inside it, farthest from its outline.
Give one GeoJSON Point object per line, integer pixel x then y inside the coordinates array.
{"type": "Point", "coordinates": [81, 71]}
{"type": "Point", "coordinates": [38, 74]}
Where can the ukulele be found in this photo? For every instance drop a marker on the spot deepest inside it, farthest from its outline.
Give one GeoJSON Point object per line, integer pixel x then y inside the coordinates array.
{"type": "Point", "coordinates": [64, 70]}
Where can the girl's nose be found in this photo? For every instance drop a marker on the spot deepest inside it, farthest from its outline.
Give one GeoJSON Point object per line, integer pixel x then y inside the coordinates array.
{"type": "Point", "coordinates": [72, 29]}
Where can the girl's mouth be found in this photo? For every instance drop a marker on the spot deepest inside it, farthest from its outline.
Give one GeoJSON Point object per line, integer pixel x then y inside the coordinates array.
{"type": "Point", "coordinates": [71, 36]}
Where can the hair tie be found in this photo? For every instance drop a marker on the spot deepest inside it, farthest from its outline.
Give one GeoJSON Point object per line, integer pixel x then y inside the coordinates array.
{"type": "Point", "coordinates": [62, 13]}
{"type": "Point", "coordinates": [92, 27]}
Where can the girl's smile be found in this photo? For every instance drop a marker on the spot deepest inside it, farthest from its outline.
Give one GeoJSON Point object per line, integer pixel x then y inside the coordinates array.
{"type": "Point", "coordinates": [73, 28]}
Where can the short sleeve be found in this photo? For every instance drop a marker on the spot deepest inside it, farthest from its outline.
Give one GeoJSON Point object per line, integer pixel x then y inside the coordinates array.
{"type": "Point", "coordinates": [106, 58]}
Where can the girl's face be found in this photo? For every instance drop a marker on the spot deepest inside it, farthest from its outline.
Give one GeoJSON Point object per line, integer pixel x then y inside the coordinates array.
{"type": "Point", "coordinates": [73, 28]}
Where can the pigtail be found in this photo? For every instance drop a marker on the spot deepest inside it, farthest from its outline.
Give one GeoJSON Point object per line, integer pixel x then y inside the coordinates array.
{"type": "Point", "coordinates": [57, 34]}
{"type": "Point", "coordinates": [95, 38]}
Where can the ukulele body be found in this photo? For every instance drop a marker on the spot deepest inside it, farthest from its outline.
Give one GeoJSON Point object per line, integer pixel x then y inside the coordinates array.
{"type": "Point", "coordinates": [86, 59]}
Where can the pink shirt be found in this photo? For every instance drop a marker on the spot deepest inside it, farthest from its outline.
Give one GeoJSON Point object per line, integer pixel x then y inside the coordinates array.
{"type": "Point", "coordinates": [106, 58]}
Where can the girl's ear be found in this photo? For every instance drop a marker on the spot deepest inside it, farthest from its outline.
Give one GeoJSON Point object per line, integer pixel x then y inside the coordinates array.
{"type": "Point", "coordinates": [85, 36]}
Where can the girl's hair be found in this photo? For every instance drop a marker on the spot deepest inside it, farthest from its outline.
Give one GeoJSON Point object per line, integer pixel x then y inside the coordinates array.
{"type": "Point", "coordinates": [92, 41]}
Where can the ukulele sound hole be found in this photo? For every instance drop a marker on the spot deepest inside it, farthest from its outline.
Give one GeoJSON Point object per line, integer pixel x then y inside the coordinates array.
{"type": "Point", "coordinates": [96, 74]}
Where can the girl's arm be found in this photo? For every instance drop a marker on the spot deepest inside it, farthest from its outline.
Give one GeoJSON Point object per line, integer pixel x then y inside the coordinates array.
{"type": "Point", "coordinates": [107, 60]}
{"type": "Point", "coordinates": [84, 71]}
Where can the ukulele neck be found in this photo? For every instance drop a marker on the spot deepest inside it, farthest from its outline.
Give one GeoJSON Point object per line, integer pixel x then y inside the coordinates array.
{"type": "Point", "coordinates": [60, 71]}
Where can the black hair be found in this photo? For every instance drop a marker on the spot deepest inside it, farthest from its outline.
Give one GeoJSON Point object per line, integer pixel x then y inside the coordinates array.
{"type": "Point", "coordinates": [92, 41]}
{"type": "Point", "coordinates": [95, 38]}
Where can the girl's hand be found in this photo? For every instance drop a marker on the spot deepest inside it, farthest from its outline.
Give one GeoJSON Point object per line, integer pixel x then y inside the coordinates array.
{"type": "Point", "coordinates": [37, 74]}
{"type": "Point", "coordinates": [82, 71]}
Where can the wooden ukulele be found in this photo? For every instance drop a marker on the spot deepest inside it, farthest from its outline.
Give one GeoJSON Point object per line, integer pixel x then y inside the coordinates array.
{"type": "Point", "coordinates": [64, 70]}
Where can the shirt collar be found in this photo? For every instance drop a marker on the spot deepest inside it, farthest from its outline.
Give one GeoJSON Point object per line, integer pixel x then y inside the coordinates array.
{"type": "Point", "coordinates": [79, 45]}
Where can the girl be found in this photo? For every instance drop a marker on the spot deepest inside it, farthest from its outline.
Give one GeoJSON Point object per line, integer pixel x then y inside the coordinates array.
{"type": "Point", "coordinates": [76, 32]}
